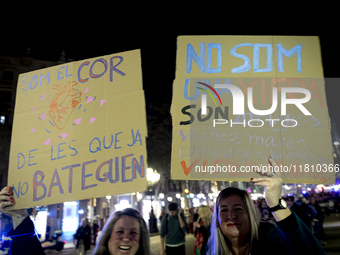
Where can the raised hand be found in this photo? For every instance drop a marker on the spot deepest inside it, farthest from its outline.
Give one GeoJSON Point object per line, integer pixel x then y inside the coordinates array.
{"type": "Point", "coordinates": [6, 203]}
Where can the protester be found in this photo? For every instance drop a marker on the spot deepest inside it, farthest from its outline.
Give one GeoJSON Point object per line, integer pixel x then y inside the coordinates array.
{"type": "Point", "coordinates": [203, 225]}
{"type": "Point", "coordinates": [236, 227]}
{"type": "Point", "coordinates": [189, 219]}
{"type": "Point", "coordinates": [173, 231]}
{"type": "Point", "coordinates": [48, 235]}
{"type": "Point", "coordinates": [24, 238]}
{"type": "Point", "coordinates": [196, 216]}
{"type": "Point", "coordinates": [162, 214]}
{"type": "Point", "coordinates": [304, 211]}
{"type": "Point", "coordinates": [318, 221]}
{"type": "Point", "coordinates": [95, 229]}
{"type": "Point", "coordinates": [101, 225]}
{"type": "Point", "coordinates": [266, 215]}
{"type": "Point", "coordinates": [125, 232]}
{"type": "Point", "coordinates": [83, 237]}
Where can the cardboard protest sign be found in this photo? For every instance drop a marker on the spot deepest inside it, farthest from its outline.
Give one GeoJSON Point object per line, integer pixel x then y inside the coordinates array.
{"type": "Point", "coordinates": [239, 99]}
{"type": "Point", "coordinates": [79, 131]}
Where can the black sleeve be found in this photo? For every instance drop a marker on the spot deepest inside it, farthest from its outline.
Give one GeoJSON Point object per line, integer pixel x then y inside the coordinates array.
{"type": "Point", "coordinates": [24, 239]}
{"type": "Point", "coordinates": [289, 224]}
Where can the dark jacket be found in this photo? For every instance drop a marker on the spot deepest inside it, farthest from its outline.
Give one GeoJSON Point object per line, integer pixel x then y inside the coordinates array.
{"type": "Point", "coordinates": [25, 240]}
{"type": "Point", "coordinates": [171, 230]}
{"type": "Point", "coordinates": [205, 233]}
{"type": "Point", "coordinates": [289, 236]}
{"type": "Point", "coordinates": [304, 211]}
{"type": "Point", "coordinates": [85, 234]}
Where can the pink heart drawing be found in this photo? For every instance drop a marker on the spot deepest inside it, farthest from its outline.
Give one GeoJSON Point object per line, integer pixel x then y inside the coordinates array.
{"type": "Point", "coordinates": [33, 109]}
{"type": "Point", "coordinates": [63, 135]}
{"type": "Point", "coordinates": [89, 99]}
{"type": "Point", "coordinates": [42, 116]}
{"type": "Point", "coordinates": [86, 90]}
{"type": "Point", "coordinates": [77, 121]}
{"type": "Point", "coordinates": [47, 142]}
{"type": "Point", "coordinates": [33, 130]}
{"type": "Point", "coordinates": [92, 119]}
{"type": "Point", "coordinates": [102, 102]}
{"type": "Point", "coordinates": [42, 97]}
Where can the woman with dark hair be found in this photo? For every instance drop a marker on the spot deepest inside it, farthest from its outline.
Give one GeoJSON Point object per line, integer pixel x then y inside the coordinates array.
{"type": "Point", "coordinates": [236, 227]}
{"type": "Point", "coordinates": [125, 232]}
{"type": "Point", "coordinates": [83, 237]}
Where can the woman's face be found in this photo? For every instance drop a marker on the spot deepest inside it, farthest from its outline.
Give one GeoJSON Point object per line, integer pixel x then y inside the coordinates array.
{"type": "Point", "coordinates": [312, 200]}
{"type": "Point", "coordinates": [233, 218]}
{"type": "Point", "coordinates": [125, 236]}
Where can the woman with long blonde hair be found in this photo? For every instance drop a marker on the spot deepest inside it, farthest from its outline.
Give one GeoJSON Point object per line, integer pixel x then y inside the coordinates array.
{"type": "Point", "coordinates": [236, 227]}
{"type": "Point", "coordinates": [202, 225]}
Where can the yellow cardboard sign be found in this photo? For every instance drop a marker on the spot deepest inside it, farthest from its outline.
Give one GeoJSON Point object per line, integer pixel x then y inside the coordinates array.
{"type": "Point", "coordinates": [239, 99]}
{"type": "Point", "coordinates": [79, 131]}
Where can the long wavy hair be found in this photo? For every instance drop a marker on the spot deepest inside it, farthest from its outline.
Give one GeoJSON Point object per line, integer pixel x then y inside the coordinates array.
{"type": "Point", "coordinates": [102, 247]}
{"type": "Point", "coordinates": [205, 214]}
{"type": "Point", "coordinates": [217, 241]}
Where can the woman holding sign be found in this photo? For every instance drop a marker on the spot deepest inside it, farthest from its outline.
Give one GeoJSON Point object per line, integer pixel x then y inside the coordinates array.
{"type": "Point", "coordinates": [125, 232]}
{"type": "Point", "coordinates": [236, 227]}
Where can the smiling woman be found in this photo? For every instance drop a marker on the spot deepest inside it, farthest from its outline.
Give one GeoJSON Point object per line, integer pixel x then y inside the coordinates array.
{"type": "Point", "coordinates": [236, 227]}
{"type": "Point", "coordinates": [125, 232]}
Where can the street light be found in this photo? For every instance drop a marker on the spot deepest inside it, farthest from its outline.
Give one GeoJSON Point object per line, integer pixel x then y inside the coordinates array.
{"type": "Point", "coordinates": [152, 176]}
{"type": "Point", "coordinates": [139, 196]}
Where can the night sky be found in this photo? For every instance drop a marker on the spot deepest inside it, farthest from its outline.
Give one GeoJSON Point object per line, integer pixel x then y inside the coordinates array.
{"type": "Point", "coordinates": [158, 48]}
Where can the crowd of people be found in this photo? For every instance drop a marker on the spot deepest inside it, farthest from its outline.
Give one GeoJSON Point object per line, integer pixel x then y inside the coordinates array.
{"type": "Point", "coordinates": [236, 225]}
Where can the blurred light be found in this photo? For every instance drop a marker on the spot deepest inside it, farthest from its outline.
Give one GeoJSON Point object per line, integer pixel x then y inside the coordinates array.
{"type": "Point", "coordinates": [161, 195]}
{"type": "Point", "coordinates": [81, 211]}
{"type": "Point", "coordinates": [139, 196]}
{"type": "Point", "coordinates": [70, 203]}
{"type": "Point", "coordinates": [188, 196]}
{"type": "Point", "coordinates": [182, 198]}
{"type": "Point", "coordinates": [169, 199]}
{"type": "Point", "coordinates": [108, 197]}
{"type": "Point", "coordinates": [196, 202]}
{"type": "Point", "coordinates": [336, 143]}
{"type": "Point", "coordinates": [200, 195]}
{"type": "Point", "coordinates": [304, 192]}
{"type": "Point", "coordinates": [123, 204]}
{"type": "Point", "coordinates": [286, 187]}
{"type": "Point", "coordinates": [178, 195]}
{"type": "Point", "coordinates": [255, 196]}
{"type": "Point", "coordinates": [152, 176]}
{"type": "Point", "coordinates": [186, 191]}
{"type": "Point", "coordinates": [182, 204]}
{"type": "Point", "coordinates": [299, 185]}
{"type": "Point", "coordinates": [191, 195]}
